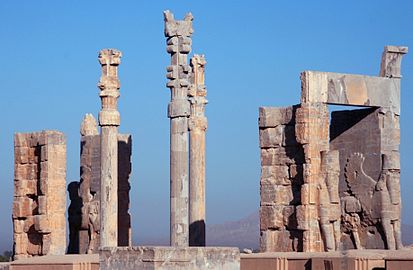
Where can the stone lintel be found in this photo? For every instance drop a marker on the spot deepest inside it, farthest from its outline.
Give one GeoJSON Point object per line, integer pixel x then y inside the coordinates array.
{"type": "Point", "coordinates": [142, 257]}
{"type": "Point", "coordinates": [350, 89]}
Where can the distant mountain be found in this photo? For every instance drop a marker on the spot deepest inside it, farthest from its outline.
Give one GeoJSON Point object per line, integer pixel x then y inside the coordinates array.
{"type": "Point", "coordinates": [245, 233]}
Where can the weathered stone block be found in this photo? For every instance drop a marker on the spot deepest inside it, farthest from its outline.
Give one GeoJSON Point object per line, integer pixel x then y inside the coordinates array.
{"type": "Point", "coordinates": [277, 241]}
{"type": "Point", "coordinates": [275, 194]}
{"type": "Point", "coordinates": [272, 137]}
{"type": "Point", "coordinates": [309, 194]}
{"type": "Point", "coordinates": [29, 224]}
{"type": "Point", "coordinates": [20, 243]}
{"type": "Point", "coordinates": [276, 174]}
{"type": "Point", "coordinates": [306, 215]}
{"type": "Point", "coordinates": [41, 224]}
{"type": "Point", "coordinates": [25, 187]}
{"type": "Point", "coordinates": [18, 226]}
{"type": "Point", "coordinates": [171, 258]}
{"type": "Point", "coordinates": [21, 155]}
{"type": "Point", "coordinates": [22, 207]}
{"type": "Point", "coordinates": [282, 156]}
{"type": "Point", "coordinates": [40, 197]}
{"type": "Point", "coordinates": [271, 217]}
{"type": "Point", "coordinates": [272, 117]}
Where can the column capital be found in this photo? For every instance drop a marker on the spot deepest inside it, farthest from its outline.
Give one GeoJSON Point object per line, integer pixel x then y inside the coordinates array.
{"type": "Point", "coordinates": [109, 57]}
{"type": "Point", "coordinates": [175, 28]}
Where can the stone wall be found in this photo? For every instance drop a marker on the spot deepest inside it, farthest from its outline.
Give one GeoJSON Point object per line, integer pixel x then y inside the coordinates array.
{"type": "Point", "coordinates": [39, 205]}
{"type": "Point", "coordinates": [349, 189]}
{"type": "Point", "coordinates": [282, 159]}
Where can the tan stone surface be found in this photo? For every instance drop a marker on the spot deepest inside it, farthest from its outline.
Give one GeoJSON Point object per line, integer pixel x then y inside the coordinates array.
{"type": "Point", "coordinates": [314, 188]}
{"type": "Point", "coordinates": [40, 200]}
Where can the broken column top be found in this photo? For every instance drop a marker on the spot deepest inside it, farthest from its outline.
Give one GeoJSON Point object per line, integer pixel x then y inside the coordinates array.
{"type": "Point", "coordinates": [89, 126]}
{"type": "Point", "coordinates": [391, 61]}
{"type": "Point", "coordinates": [110, 57]}
{"type": "Point", "coordinates": [177, 28]}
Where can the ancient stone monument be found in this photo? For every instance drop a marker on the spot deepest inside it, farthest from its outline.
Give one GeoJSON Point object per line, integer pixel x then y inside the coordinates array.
{"type": "Point", "coordinates": [332, 184]}
{"type": "Point", "coordinates": [197, 127]}
{"type": "Point", "coordinates": [109, 120]}
{"type": "Point", "coordinates": [186, 111]}
{"type": "Point", "coordinates": [39, 204]}
{"type": "Point", "coordinates": [178, 35]}
{"type": "Point", "coordinates": [84, 210]}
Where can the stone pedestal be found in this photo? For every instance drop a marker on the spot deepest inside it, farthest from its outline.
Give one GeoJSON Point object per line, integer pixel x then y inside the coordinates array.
{"type": "Point", "coordinates": [169, 258]}
{"type": "Point", "coordinates": [347, 260]}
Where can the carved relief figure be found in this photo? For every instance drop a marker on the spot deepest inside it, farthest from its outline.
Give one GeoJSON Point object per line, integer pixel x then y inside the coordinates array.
{"type": "Point", "coordinates": [375, 200]}
{"type": "Point", "coordinates": [330, 211]}
{"type": "Point", "coordinates": [94, 225]}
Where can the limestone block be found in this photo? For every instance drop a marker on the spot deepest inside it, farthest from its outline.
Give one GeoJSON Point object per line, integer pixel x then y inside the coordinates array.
{"type": "Point", "coordinates": [21, 243]}
{"type": "Point", "coordinates": [23, 207]}
{"type": "Point", "coordinates": [282, 156]}
{"type": "Point", "coordinates": [272, 137]}
{"type": "Point", "coordinates": [306, 215]}
{"type": "Point", "coordinates": [271, 217]}
{"type": "Point", "coordinates": [275, 194]}
{"type": "Point", "coordinates": [21, 155]}
{"type": "Point", "coordinates": [309, 193]}
{"type": "Point", "coordinates": [314, 87]}
{"type": "Point", "coordinates": [272, 117]}
{"type": "Point", "coordinates": [169, 258]}
{"type": "Point", "coordinates": [390, 139]}
{"type": "Point", "coordinates": [41, 224]}
{"type": "Point", "coordinates": [276, 240]}
{"type": "Point", "coordinates": [276, 174]}
{"type": "Point", "coordinates": [29, 225]}
{"type": "Point", "coordinates": [25, 187]}
{"type": "Point", "coordinates": [360, 90]}
{"type": "Point", "coordinates": [42, 201]}
{"type": "Point", "coordinates": [18, 226]}
{"type": "Point", "coordinates": [46, 243]}
{"type": "Point", "coordinates": [21, 140]}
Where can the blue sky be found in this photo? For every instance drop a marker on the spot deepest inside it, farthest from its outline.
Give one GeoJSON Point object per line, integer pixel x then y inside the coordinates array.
{"type": "Point", "coordinates": [255, 52]}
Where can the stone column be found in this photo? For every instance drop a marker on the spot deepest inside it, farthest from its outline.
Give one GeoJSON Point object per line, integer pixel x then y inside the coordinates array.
{"type": "Point", "coordinates": [109, 120]}
{"type": "Point", "coordinates": [178, 39]}
{"type": "Point", "coordinates": [197, 127]}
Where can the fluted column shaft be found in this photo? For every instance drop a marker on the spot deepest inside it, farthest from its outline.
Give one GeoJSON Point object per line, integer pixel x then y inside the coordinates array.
{"type": "Point", "coordinates": [197, 128]}
{"type": "Point", "coordinates": [109, 120]}
{"type": "Point", "coordinates": [178, 35]}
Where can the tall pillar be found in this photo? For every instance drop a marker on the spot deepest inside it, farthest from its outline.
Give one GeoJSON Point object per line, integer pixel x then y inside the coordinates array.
{"type": "Point", "coordinates": [109, 120]}
{"type": "Point", "coordinates": [178, 39]}
{"type": "Point", "coordinates": [197, 127]}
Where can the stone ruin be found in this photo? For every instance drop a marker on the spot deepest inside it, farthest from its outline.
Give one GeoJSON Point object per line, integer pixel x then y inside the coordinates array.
{"type": "Point", "coordinates": [332, 184]}
{"type": "Point", "coordinates": [84, 210]}
{"type": "Point", "coordinates": [328, 183]}
{"type": "Point", "coordinates": [39, 203]}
